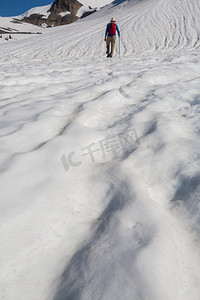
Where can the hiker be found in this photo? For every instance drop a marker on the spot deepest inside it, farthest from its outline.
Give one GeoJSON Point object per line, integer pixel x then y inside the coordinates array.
{"type": "Point", "coordinates": [110, 37]}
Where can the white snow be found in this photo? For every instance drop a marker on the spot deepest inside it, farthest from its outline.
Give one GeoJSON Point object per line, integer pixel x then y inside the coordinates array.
{"type": "Point", "coordinates": [41, 10]}
{"type": "Point", "coordinates": [64, 13]}
{"type": "Point", "coordinates": [95, 3]}
{"type": "Point", "coordinates": [125, 225]}
{"type": "Point", "coordinates": [91, 4]}
{"type": "Point", "coordinates": [85, 9]}
{"type": "Point", "coordinates": [10, 25]}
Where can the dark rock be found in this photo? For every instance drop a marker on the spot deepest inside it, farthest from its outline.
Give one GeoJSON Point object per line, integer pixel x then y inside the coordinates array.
{"type": "Point", "coordinates": [87, 13]}
{"type": "Point", "coordinates": [54, 18]}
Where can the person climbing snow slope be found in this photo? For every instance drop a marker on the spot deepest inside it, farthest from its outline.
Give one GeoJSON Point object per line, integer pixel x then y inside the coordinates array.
{"type": "Point", "coordinates": [110, 37]}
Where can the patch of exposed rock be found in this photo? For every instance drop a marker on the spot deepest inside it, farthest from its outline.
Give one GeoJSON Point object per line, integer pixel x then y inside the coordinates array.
{"type": "Point", "coordinates": [61, 12]}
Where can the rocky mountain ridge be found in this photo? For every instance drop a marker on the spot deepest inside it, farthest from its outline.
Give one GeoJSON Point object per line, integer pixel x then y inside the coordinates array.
{"type": "Point", "coordinates": [61, 12]}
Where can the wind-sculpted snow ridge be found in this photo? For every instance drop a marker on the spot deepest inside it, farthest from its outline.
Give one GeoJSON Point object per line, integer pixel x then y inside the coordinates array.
{"type": "Point", "coordinates": [100, 178]}
{"type": "Point", "coordinates": [100, 161]}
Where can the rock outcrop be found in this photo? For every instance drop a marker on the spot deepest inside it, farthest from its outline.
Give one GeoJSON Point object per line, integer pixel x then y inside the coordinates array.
{"type": "Point", "coordinates": [61, 12]}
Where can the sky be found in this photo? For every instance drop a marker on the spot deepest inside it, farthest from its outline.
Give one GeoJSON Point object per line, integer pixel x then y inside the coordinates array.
{"type": "Point", "coordinates": [9, 8]}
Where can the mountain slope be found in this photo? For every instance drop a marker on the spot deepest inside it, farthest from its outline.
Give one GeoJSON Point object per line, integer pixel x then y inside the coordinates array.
{"type": "Point", "coordinates": [145, 26]}
{"type": "Point", "coordinates": [99, 161]}
{"type": "Point", "coordinates": [54, 14]}
{"type": "Point", "coordinates": [62, 12]}
{"type": "Point", "coordinates": [12, 25]}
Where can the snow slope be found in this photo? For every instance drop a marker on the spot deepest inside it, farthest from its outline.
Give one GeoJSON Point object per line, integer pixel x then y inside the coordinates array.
{"type": "Point", "coordinates": [17, 30]}
{"type": "Point", "coordinates": [41, 10]}
{"type": "Point", "coordinates": [8, 24]}
{"type": "Point", "coordinates": [148, 25]}
{"type": "Point", "coordinates": [100, 162]}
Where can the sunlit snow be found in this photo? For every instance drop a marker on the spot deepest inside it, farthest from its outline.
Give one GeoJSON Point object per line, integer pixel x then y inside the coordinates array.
{"type": "Point", "coordinates": [100, 159]}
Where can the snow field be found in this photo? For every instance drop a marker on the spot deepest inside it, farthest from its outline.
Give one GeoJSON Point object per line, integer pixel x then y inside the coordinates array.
{"type": "Point", "coordinates": [146, 26]}
{"type": "Point", "coordinates": [49, 104]}
{"type": "Point", "coordinates": [126, 225]}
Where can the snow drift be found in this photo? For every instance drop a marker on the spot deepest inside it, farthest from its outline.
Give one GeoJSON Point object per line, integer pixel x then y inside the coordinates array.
{"type": "Point", "coordinates": [100, 163]}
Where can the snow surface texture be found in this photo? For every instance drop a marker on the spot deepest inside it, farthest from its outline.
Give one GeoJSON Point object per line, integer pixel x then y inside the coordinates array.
{"type": "Point", "coordinates": [7, 25]}
{"type": "Point", "coordinates": [126, 224]}
{"type": "Point", "coordinates": [94, 4]}
{"type": "Point", "coordinates": [7, 22]}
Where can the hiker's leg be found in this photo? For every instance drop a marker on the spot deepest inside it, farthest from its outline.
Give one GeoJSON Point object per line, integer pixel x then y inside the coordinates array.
{"type": "Point", "coordinates": [112, 45]}
{"type": "Point", "coordinates": [107, 46]}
